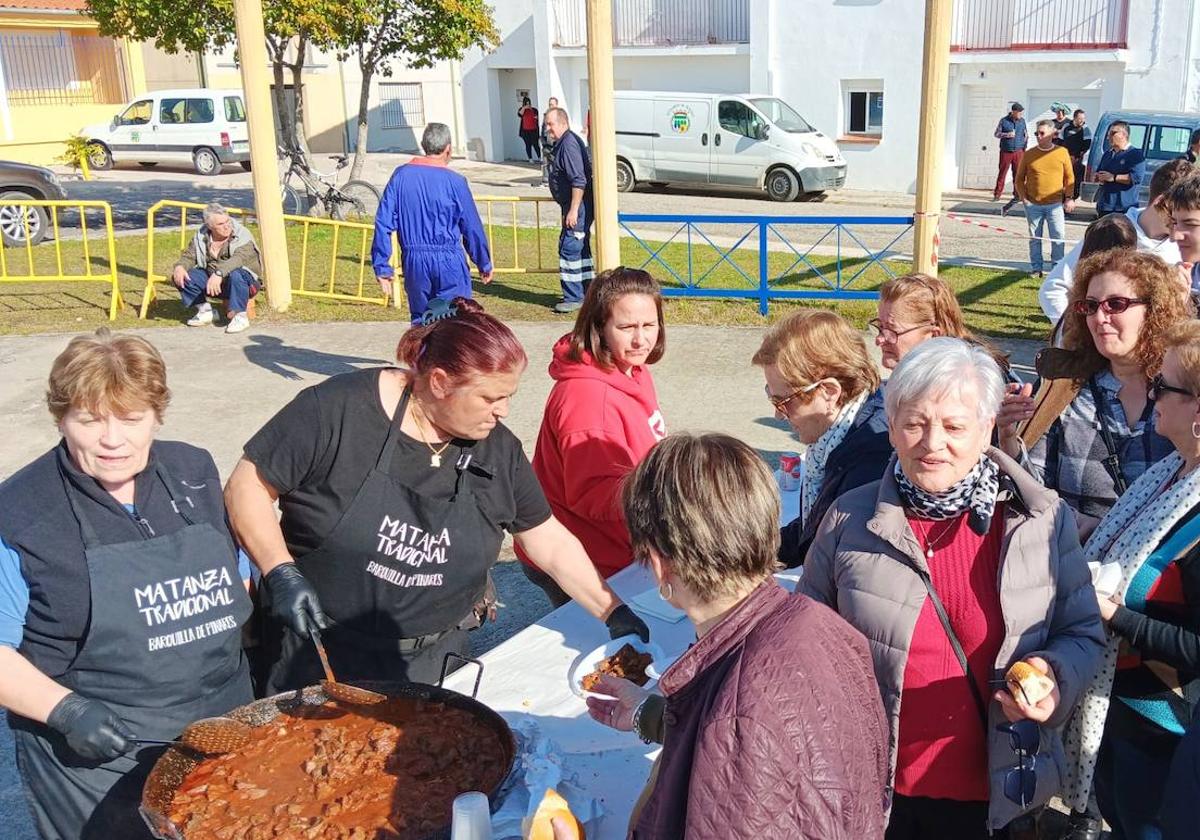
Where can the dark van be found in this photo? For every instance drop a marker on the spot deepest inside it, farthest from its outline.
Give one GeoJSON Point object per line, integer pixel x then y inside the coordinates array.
{"type": "Point", "coordinates": [1161, 135]}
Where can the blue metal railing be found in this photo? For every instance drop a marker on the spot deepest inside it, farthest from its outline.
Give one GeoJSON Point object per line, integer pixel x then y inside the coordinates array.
{"type": "Point", "coordinates": [837, 279]}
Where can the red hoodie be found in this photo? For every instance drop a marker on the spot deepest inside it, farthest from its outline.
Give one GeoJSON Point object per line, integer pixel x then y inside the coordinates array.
{"type": "Point", "coordinates": [597, 426]}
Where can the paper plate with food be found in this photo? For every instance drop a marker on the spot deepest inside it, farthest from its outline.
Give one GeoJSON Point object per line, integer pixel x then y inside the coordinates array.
{"type": "Point", "coordinates": [627, 657]}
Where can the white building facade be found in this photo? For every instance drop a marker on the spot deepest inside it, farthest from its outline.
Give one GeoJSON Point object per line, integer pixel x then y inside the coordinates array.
{"type": "Point", "coordinates": [852, 68]}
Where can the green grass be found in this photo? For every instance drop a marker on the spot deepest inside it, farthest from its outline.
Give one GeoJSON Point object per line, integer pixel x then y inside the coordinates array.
{"type": "Point", "coordinates": [996, 302]}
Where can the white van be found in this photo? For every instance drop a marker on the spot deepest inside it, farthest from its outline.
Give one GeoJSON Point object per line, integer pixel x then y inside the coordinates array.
{"type": "Point", "coordinates": [198, 127]}
{"type": "Point", "coordinates": [741, 139]}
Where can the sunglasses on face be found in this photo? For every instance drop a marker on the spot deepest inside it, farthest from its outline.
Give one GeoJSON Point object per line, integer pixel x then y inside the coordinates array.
{"type": "Point", "coordinates": [781, 403]}
{"type": "Point", "coordinates": [1111, 305]}
{"type": "Point", "coordinates": [1158, 387]}
{"type": "Point", "coordinates": [1025, 738]}
{"type": "Point", "coordinates": [889, 335]}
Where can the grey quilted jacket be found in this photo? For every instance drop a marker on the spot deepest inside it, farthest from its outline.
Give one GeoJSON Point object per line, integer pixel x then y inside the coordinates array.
{"type": "Point", "coordinates": [856, 565]}
{"type": "Point", "coordinates": [774, 729]}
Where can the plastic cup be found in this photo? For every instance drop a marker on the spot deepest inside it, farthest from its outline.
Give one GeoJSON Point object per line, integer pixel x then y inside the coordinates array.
{"type": "Point", "coordinates": [472, 817]}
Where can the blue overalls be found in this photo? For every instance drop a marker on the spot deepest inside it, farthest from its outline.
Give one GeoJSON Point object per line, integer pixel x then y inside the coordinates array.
{"type": "Point", "coordinates": [432, 212]}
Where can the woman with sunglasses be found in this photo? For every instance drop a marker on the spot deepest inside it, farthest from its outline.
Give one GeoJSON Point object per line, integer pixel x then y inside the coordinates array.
{"type": "Point", "coordinates": [1092, 433]}
{"type": "Point", "coordinates": [820, 379]}
{"type": "Point", "coordinates": [1145, 555]}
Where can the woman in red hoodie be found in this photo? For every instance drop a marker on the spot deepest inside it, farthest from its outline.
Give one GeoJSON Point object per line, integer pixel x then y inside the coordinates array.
{"type": "Point", "coordinates": [602, 416]}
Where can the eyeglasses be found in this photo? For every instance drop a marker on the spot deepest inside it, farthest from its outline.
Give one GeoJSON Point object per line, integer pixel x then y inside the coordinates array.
{"type": "Point", "coordinates": [889, 335]}
{"type": "Point", "coordinates": [1025, 738]}
{"type": "Point", "coordinates": [1111, 305]}
{"type": "Point", "coordinates": [780, 403]}
{"type": "Point", "coordinates": [1158, 387]}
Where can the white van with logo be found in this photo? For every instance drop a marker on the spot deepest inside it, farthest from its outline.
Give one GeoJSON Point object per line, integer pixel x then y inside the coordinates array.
{"type": "Point", "coordinates": [198, 127]}
{"type": "Point", "coordinates": [742, 140]}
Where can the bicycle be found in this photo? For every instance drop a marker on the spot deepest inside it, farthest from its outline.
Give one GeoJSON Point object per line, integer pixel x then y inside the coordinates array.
{"type": "Point", "coordinates": [352, 201]}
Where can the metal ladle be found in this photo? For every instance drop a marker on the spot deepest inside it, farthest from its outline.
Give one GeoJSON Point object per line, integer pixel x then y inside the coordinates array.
{"type": "Point", "coordinates": [208, 736]}
{"type": "Point", "coordinates": [342, 692]}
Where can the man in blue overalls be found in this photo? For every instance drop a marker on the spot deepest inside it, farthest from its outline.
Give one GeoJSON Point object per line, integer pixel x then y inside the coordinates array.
{"type": "Point", "coordinates": [571, 186]}
{"type": "Point", "coordinates": [431, 210]}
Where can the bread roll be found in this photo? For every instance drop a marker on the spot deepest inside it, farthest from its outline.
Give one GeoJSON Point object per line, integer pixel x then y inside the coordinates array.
{"type": "Point", "coordinates": [551, 806]}
{"type": "Point", "coordinates": [1027, 683]}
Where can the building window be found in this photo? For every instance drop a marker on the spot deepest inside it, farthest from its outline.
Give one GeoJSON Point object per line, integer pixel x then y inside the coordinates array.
{"type": "Point", "coordinates": [401, 105]}
{"type": "Point", "coordinates": [62, 67]}
{"type": "Point", "coordinates": [864, 112]}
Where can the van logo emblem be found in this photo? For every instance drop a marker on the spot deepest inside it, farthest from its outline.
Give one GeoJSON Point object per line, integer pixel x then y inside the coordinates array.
{"type": "Point", "coordinates": [681, 119]}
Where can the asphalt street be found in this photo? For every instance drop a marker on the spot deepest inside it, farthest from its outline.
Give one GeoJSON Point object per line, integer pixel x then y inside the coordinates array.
{"type": "Point", "coordinates": [131, 189]}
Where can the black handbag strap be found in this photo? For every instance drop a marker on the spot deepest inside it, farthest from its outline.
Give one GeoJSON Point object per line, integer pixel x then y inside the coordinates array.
{"type": "Point", "coordinates": [944, 617]}
{"type": "Point", "coordinates": [1113, 462]}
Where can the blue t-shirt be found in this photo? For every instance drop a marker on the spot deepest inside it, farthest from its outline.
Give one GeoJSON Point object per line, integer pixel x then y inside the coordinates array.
{"type": "Point", "coordinates": [14, 590]}
{"type": "Point", "coordinates": [1114, 197]}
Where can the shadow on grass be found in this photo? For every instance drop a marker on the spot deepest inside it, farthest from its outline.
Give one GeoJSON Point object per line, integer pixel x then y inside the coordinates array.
{"type": "Point", "coordinates": [504, 288]}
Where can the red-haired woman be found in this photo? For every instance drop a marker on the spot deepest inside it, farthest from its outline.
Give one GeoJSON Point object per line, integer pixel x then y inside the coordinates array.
{"type": "Point", "coordinates": [396, 485]}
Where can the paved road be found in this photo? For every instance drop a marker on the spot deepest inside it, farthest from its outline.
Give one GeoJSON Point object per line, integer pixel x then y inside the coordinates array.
{"type": "Point", "coordinates": [131, 191]}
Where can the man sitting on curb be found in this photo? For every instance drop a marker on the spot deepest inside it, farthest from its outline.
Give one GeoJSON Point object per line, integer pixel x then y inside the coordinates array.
{"type": "Point", "coordinates": [222, 262]}
{"type": "Point", "coordinates": [1153, 237]}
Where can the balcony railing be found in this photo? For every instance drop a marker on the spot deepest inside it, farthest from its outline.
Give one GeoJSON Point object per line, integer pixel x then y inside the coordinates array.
{"type": "Point", "coordinates": [1040, 24]}
{"type": "Point", "coordinates": [658, 23]}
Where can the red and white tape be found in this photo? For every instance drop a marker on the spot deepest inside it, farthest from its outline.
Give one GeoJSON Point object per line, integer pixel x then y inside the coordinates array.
{"type": "Point", "coordinates": [987, 226]}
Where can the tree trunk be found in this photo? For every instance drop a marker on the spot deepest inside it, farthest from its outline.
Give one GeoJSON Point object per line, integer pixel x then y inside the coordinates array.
{"type": "Point", "coordinates": [287, 135]}
{"type": "Point", "coordinates": [298, 92]}
{"type": "Point", "coordinates": [364, 99]}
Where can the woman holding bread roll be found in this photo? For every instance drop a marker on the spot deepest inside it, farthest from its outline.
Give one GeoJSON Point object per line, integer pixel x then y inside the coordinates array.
{"type": "Point", "coordinates": [770, 723]}
{"type": "Point", "coordinates": [957, 565]}
{"type": "Point", "coordinates": [1146, 563]}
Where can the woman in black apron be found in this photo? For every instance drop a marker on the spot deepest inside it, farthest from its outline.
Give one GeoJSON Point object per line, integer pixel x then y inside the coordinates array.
{"type": "Point", "coordinates": [396, 487]}
{"type": "Point", "coordinates": [121, 597]}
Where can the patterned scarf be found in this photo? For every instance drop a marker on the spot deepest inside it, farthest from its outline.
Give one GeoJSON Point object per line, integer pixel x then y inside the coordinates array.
{"type": "Point", "coordinates": [1127, 535]}
{"type": "Point", "coordinates": [818, 454]}
{"type": "Point", "coordinates": [976, 491]}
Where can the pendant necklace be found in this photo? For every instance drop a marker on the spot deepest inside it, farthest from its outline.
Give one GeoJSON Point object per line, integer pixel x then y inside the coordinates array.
{"type": "Point", "coordinates": [931, 544]}
{"type": "Point", "coordinates": [435, 454]}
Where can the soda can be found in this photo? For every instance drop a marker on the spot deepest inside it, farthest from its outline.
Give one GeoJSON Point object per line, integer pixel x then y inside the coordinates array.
{"type": "Point", "coordinates": [791, 467]}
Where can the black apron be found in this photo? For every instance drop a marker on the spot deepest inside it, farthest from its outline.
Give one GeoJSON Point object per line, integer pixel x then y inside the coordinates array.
{"type": "Point", "coordinates": [163, 648]}
{"type": "Point", "coordinates": [395, 576]}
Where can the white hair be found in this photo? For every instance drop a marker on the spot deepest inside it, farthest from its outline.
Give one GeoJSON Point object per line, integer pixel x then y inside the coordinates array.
{"type": "Point", "coordinates": [941, 365]}
{"type": "Point", "coordinates": [213, 209]}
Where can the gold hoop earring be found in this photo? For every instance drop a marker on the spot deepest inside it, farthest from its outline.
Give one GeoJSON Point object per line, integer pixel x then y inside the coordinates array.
{"type": "Point", "coordinates": [666, 596]}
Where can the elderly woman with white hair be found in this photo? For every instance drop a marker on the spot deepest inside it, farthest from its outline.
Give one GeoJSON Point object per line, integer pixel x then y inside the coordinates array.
{"type": "Point", "coordinates": [956, 565]}
{"type": "Point", "coordinates": [223, 262]}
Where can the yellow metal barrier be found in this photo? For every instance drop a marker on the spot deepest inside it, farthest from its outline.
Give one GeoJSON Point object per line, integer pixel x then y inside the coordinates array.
{"type": "Point", "coordinates": [349, 248]}
{"type": "Point", "coordinates": [359, 286]}
{"type": "Point", "coordinates": [74, 268]}
{"type": "Point", "coordinates": [552, 216]}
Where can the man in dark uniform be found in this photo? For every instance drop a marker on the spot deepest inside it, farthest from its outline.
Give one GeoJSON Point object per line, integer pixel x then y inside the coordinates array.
{"type": "Point", "coordinates": [571, 186]}
{"type": "Point", "coordinates": [1076, 138]}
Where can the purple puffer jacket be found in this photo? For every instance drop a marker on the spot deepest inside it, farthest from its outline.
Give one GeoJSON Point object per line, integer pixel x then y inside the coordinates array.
{"type": "Point", "coordinates": [773, 728]}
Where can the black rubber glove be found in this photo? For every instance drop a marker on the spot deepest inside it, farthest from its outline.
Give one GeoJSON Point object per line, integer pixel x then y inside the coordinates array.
{"type": "Point", "coordinates": [91, 728]}
{"type": "Point", "coordinates": [293, 600]}
{"type": "Point", "coordinates": [625, 622]}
